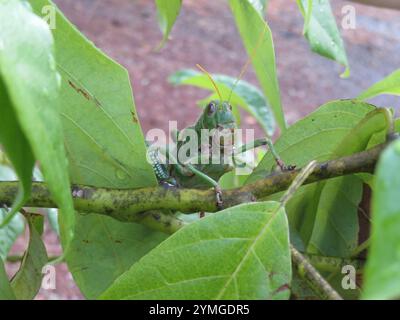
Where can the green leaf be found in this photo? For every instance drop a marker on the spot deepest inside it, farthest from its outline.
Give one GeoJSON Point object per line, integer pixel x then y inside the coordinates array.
{"type": "Point", "coordinates": [28, 280]}
{"type": "Point", "coordinates": [20, 154]}
{"type": "Point", "coordinates": [231, 180]}
{"type": "Point", "coordinates": [29, 72]}
{"type": "Point", "coordinates": [167, 12]}
{"type": "Point", "coordinates": [16, 226]}
{"type": "Point", "coordinates": [315, 136]}
{"type": "Point", "coordinates": [52, 216]}
{"type": "Point", "coordinates": [6, 292]}
{"type": "Point", "coordinates": [335, 230]}
{"type": "Point", "coordinates": [397, 125]}
{"type": "Point", "coordinates": [382, 273]}
{"type": "Point", "coordinates": [257, 39]}
{"type": "Point", "coordinates": [245, 95]}
{"type": "Point", "coordinates": [322, 33]}
{"type": "Point", "coordinates": [104, 142]}
{"type": "Point", "coordinates": [9, 233]}
{"type": "Point", "coordinates": [106, 148]}
{"type": "Point", "coordinates": [238, 253]}
{"type": "Point", "coordinates": [389, 85]}
{"type": "Point", "coordinates": [319, 136]}
{"type": "Point", "coordinates": [104, 248]}
{"type": "Point", "coordinates": [103, 137]}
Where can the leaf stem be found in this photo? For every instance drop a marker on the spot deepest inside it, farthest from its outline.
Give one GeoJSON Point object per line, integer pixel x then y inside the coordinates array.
{"type": "Point", "coordinates": [306, 270]}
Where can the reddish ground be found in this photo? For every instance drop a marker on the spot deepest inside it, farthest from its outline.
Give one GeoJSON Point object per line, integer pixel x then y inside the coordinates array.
{"type": "Point", "coordinates": [205, 33]}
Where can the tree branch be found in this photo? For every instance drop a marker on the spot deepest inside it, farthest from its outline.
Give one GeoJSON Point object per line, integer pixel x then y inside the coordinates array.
{"type": "Point", "coordinates": [145, 205]}
{"type": "Point", "coordinates": [133, 205]}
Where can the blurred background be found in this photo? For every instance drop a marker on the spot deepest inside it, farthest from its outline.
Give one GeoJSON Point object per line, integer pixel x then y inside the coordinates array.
{"type": "Point", "coordinates": [205, 33]}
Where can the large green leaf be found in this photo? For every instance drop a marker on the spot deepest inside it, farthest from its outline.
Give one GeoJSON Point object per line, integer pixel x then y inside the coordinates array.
{"type": "Point", "coordinates": [6, 292]}
{"type": "Point", "coordinates": [239, 253]}
{"type": "Point", "coordinates": [314, 207]}
{"type": "Point", "coordinates": [257, 39]}
{"type": "Point", "coordinates": [29, 73]}
{"type": "Point", "coordinates": [103, 138]}
{"type": "Point", "coordinates": [19, 153]}
{"type": "Point", "coordinates": [28, 280]}
{"type": "Point", "coordinates": [16, 226]}
{"type": "Point", "coordinates": [335, 228]}
{"type": "Point", "coordinates": [105, 148]}
{"type": "Point", "coordinates": [104, 248]}
{"type": "Point", "coordinates": [322, 32]}
{"type": "Point", "coordinates": [167, 12]}
{"type": "Point", "coordinates": [382, 274]}
{"type": "Point", "coordinates": [245, 95]}
{"type": "Point", "coordinates": [389, 85]}
{"type": "Point", "coordinates": [315, 136]}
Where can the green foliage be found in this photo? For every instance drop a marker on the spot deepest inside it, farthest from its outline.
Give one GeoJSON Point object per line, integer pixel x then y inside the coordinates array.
{"type": "Point", "coordinates": [321, 31]}
{"type": "Point", "coordinates": [57, 90]}
{"type": "Point", "coordinates": [326, 219]}
{"type": "Point", "coordinates": [335, 231]}
{"type": "Point", "coordinates": [103, 138]}
{"type": "Point", "coordinates": [9, 233]}
{"type": "Point", "coordinates": [6, 292]}
{"type": "Point", "coordinates": [93, 267]}
{"type": "Point", "coordinates": [105, 148]}
{"type": "Point", "coordinates": [168, 11]}
{"type": "Point", "coordinates": [316, 135]}
{"type": "Point", "coordinates": [244, 95]}
{"type": "Point", "coordinates": [239, 253]}
{"type": "Point", "coordinates": [16, 226]}
{"type": "Point", "coordinates": [19, 153]}
{"type": "Point", "coordinates": [257, 39]}
{"type": "Point", "coordinates": [27, 281]}
{"type": "Point", "coordinates": [389, 85]}
{"type": "Point", "coordinates": [32, 83]}
{"type": "Point", "coordinates": [382, 274]}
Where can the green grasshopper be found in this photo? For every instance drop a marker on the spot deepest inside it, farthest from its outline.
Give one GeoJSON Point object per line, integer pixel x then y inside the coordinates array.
{"type": "Point", "coordinates": [217, 116]}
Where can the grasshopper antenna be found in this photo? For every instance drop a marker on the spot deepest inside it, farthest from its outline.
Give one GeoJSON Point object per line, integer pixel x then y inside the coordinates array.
{"type": "Point", "coordinates": [246, 65]}
{"type": "Point", "coordinates": [211, 79]}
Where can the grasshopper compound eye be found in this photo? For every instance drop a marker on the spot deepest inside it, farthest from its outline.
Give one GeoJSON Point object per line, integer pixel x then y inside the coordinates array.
{"type": "Point", "coordinates": [211, 108]}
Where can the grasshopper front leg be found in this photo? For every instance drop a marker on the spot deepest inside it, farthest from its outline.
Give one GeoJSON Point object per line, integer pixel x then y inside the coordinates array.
{"type": "Point", "coordinates": [262, 142]}
{"type": "Point", "coordinates": [188, 170]}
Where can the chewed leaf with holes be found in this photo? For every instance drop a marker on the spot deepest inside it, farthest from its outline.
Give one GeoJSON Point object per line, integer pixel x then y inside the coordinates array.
{"type": "Point", "coordinates": [103, 138]}
{"type": "Point", "coordinates": [238, 253]}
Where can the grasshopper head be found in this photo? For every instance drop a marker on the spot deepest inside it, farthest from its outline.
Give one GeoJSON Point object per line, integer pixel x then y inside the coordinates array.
{"type": "Point", "coordinates": [218, 115]}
